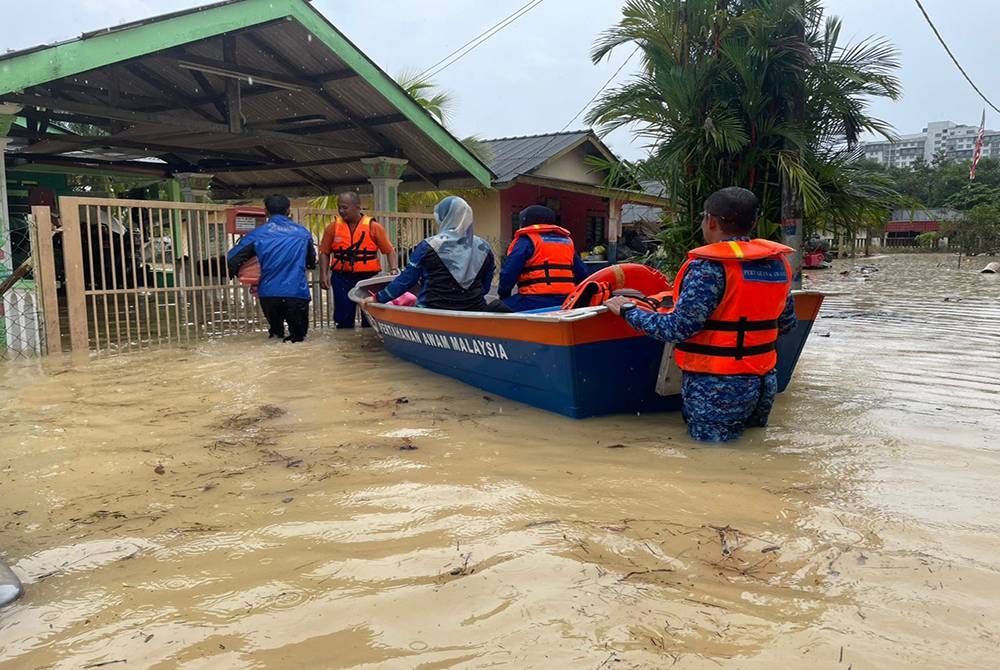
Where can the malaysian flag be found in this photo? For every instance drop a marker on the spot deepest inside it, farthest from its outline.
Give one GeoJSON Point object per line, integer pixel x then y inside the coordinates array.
{"type": "Point", "coordinates": [979, 147]}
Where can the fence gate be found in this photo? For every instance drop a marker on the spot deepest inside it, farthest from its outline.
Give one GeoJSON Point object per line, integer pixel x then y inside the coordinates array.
{"type": "Point", "coordinates": [141, 273]}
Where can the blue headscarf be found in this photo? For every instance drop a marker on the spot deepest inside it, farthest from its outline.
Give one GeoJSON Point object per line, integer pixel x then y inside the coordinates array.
{"type": "Point", "coordinates": [461, 252]}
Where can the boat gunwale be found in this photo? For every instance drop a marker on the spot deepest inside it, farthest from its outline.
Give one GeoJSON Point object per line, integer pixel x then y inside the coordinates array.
{"type": "Point", "coordinates": [560, 316]}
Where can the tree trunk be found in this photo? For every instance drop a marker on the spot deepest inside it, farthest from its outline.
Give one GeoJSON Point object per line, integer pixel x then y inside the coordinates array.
{"type": "Point", "coordinates": [791, 227]}
{"type": "Point", "coordinates": [791, 198]}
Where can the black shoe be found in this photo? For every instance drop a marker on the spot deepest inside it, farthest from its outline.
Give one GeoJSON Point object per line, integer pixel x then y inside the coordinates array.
{"type": "Point", "coordinates": [271, 336]}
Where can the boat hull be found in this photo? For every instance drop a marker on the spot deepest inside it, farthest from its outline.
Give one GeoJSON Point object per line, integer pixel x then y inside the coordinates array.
{"type": "Point", "coordinates": [579, 363]}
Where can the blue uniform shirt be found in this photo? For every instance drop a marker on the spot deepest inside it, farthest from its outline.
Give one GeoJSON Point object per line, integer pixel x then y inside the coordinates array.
{"type": "Point", "coordinates": [704, 286]}
{"type": "Point", "coordinates": [716, 407]}
{"type": "Point", "coordinates": [284, 250]}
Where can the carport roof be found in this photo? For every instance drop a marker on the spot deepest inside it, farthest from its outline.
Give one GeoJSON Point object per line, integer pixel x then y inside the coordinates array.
{"type": "Point", "coordinates": [264, 94]}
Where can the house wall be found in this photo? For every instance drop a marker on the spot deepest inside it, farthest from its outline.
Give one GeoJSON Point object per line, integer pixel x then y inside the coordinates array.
{"type": "Point", "coordinates": [571, 167]}
{"type": "Point", "coordinates": [904, 233]}
{"type": "Point", "coordinates": [572, 210]}
{"type": "Point", "coordinates": [486, 214]}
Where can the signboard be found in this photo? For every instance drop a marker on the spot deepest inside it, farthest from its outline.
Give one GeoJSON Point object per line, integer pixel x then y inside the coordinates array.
{"type": "Point", "coordinates": [242, 220]}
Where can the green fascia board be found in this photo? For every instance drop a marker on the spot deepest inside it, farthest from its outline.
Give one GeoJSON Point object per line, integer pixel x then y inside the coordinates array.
{"type": "Point", "coordinates": [355, 59]}
{"type": "Point", "coordinates": [114, 46]}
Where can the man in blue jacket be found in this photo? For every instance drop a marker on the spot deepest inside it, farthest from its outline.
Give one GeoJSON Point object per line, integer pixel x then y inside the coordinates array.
{"type": "Point", "coordinates": [284, 250]}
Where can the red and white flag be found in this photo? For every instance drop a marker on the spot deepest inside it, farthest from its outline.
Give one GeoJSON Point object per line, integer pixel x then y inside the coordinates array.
{"type": "Point", "coordinates": [979, 147]}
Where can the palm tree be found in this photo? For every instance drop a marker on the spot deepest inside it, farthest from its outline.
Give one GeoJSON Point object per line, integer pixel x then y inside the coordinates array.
{"type": "Point", "coordinates": [425, 93]}
{"type": "Point", "coordinates": [756, 93]}
{"type": "Point", "coordinates": [439, 104]}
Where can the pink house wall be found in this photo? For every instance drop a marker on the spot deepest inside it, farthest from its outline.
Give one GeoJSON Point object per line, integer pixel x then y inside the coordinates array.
{"type": "Point", "coordinates": [573, 211]}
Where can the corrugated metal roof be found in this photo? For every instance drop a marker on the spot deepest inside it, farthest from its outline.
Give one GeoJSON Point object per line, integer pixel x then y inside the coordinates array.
{"type": "Point", "coordinates": [513, 156]}
{"type": "Point", "coordinates": [312, 104]}
{"type": "Point", "coordinates": [939, 214]}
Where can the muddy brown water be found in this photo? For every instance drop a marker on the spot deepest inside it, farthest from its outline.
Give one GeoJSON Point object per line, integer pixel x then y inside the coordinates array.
{"type": "Point", "coordinates": [245, 504]}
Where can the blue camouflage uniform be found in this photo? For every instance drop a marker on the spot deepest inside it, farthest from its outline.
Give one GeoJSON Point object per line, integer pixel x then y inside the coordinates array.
{"type": "Point", "coordinates": [716, 407]}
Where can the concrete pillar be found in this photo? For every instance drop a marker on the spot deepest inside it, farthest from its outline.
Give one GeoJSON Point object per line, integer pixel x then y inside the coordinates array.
{"type": "Point", "coordinates": [614, 228]}
{"type": "Point", "coordinates": [385, 174]}
{"type": "Point", "coordinates": [194, 186]}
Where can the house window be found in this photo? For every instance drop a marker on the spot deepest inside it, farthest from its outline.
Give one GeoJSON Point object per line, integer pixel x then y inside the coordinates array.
{"type": "Point", "coordinates": [596, 227]}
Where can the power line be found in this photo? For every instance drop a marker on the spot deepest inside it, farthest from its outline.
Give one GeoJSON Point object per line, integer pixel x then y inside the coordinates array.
{"type": "Point", "coordinates": [601, 89]}
{"type": "Point", "coordinates": [545, 146]}
{"type": "Point", "coordinates": [954, 60]}
{"type": "Point", "coordinates": [476, 41]}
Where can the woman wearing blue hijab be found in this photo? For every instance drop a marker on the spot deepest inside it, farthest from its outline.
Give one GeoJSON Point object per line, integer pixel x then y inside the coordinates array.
{"type": "Point", "coordinates": [455, 268]}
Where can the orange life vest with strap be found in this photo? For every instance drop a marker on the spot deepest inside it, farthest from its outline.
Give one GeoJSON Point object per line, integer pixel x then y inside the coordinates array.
{"type": "Point", "coordinates": [549, 271]}
{"type": "Point", "coordinates": [354, 253]}
{"type": "Point", "coordinates": [739, 337]}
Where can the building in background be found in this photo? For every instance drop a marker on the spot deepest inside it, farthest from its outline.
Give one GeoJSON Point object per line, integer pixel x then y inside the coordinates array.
{"type": "Point", "coordinates": [954, 141]}
{"type": "Point", "coordinates": [565, 171]}
{"type": "Point", "coordinates": [905, 224]}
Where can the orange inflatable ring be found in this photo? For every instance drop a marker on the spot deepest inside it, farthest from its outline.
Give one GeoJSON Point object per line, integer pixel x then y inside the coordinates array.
{"type": "Point", "coordinates": [601, 285]}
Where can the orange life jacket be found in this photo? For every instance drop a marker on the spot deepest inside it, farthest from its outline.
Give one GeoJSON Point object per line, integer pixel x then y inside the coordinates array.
{"type": "Point", "coordinates": [357, 253]}
{"type": "Point", "coordinates": [549, 271]}
{"type": "Point", "coordinates": [739, 337]}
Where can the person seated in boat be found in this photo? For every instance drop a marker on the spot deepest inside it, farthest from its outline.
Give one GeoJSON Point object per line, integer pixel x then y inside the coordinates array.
{"type": "Point", "coordinates": [541, 262]}
{"type": "Point", "coordinates": [731, 301]}
{"type": "Point", "coordinates": [455, 268]}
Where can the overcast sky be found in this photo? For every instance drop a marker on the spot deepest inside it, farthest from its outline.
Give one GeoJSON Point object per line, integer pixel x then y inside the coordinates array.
{"type": "Point", "coordinates": [534, 75]}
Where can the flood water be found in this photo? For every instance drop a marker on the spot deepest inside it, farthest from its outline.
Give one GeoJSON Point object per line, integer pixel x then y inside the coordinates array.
{"type": "Point", "coordinates": [247, 504]}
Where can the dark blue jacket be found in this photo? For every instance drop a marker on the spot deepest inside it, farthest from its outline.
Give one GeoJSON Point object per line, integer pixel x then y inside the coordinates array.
{"type": "Point", "coordinates": [284, 250]}
{"type": "Point", "coordinates": [438, 289]}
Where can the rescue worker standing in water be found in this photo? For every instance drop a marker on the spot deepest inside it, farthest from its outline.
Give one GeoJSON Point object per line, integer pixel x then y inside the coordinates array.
{"type": "Point", "coordinates": [348, 253]}
{"type": "Point", "coordinates": [285, 251]}
{"type": "Point", "coordinates": [731, 301]}
{"type": "Point", "coordinates": [541, 261]}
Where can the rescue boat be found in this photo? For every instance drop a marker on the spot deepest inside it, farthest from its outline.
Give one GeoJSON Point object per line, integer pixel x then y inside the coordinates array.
{"type": "Point", "coordinates": [579, 362]}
